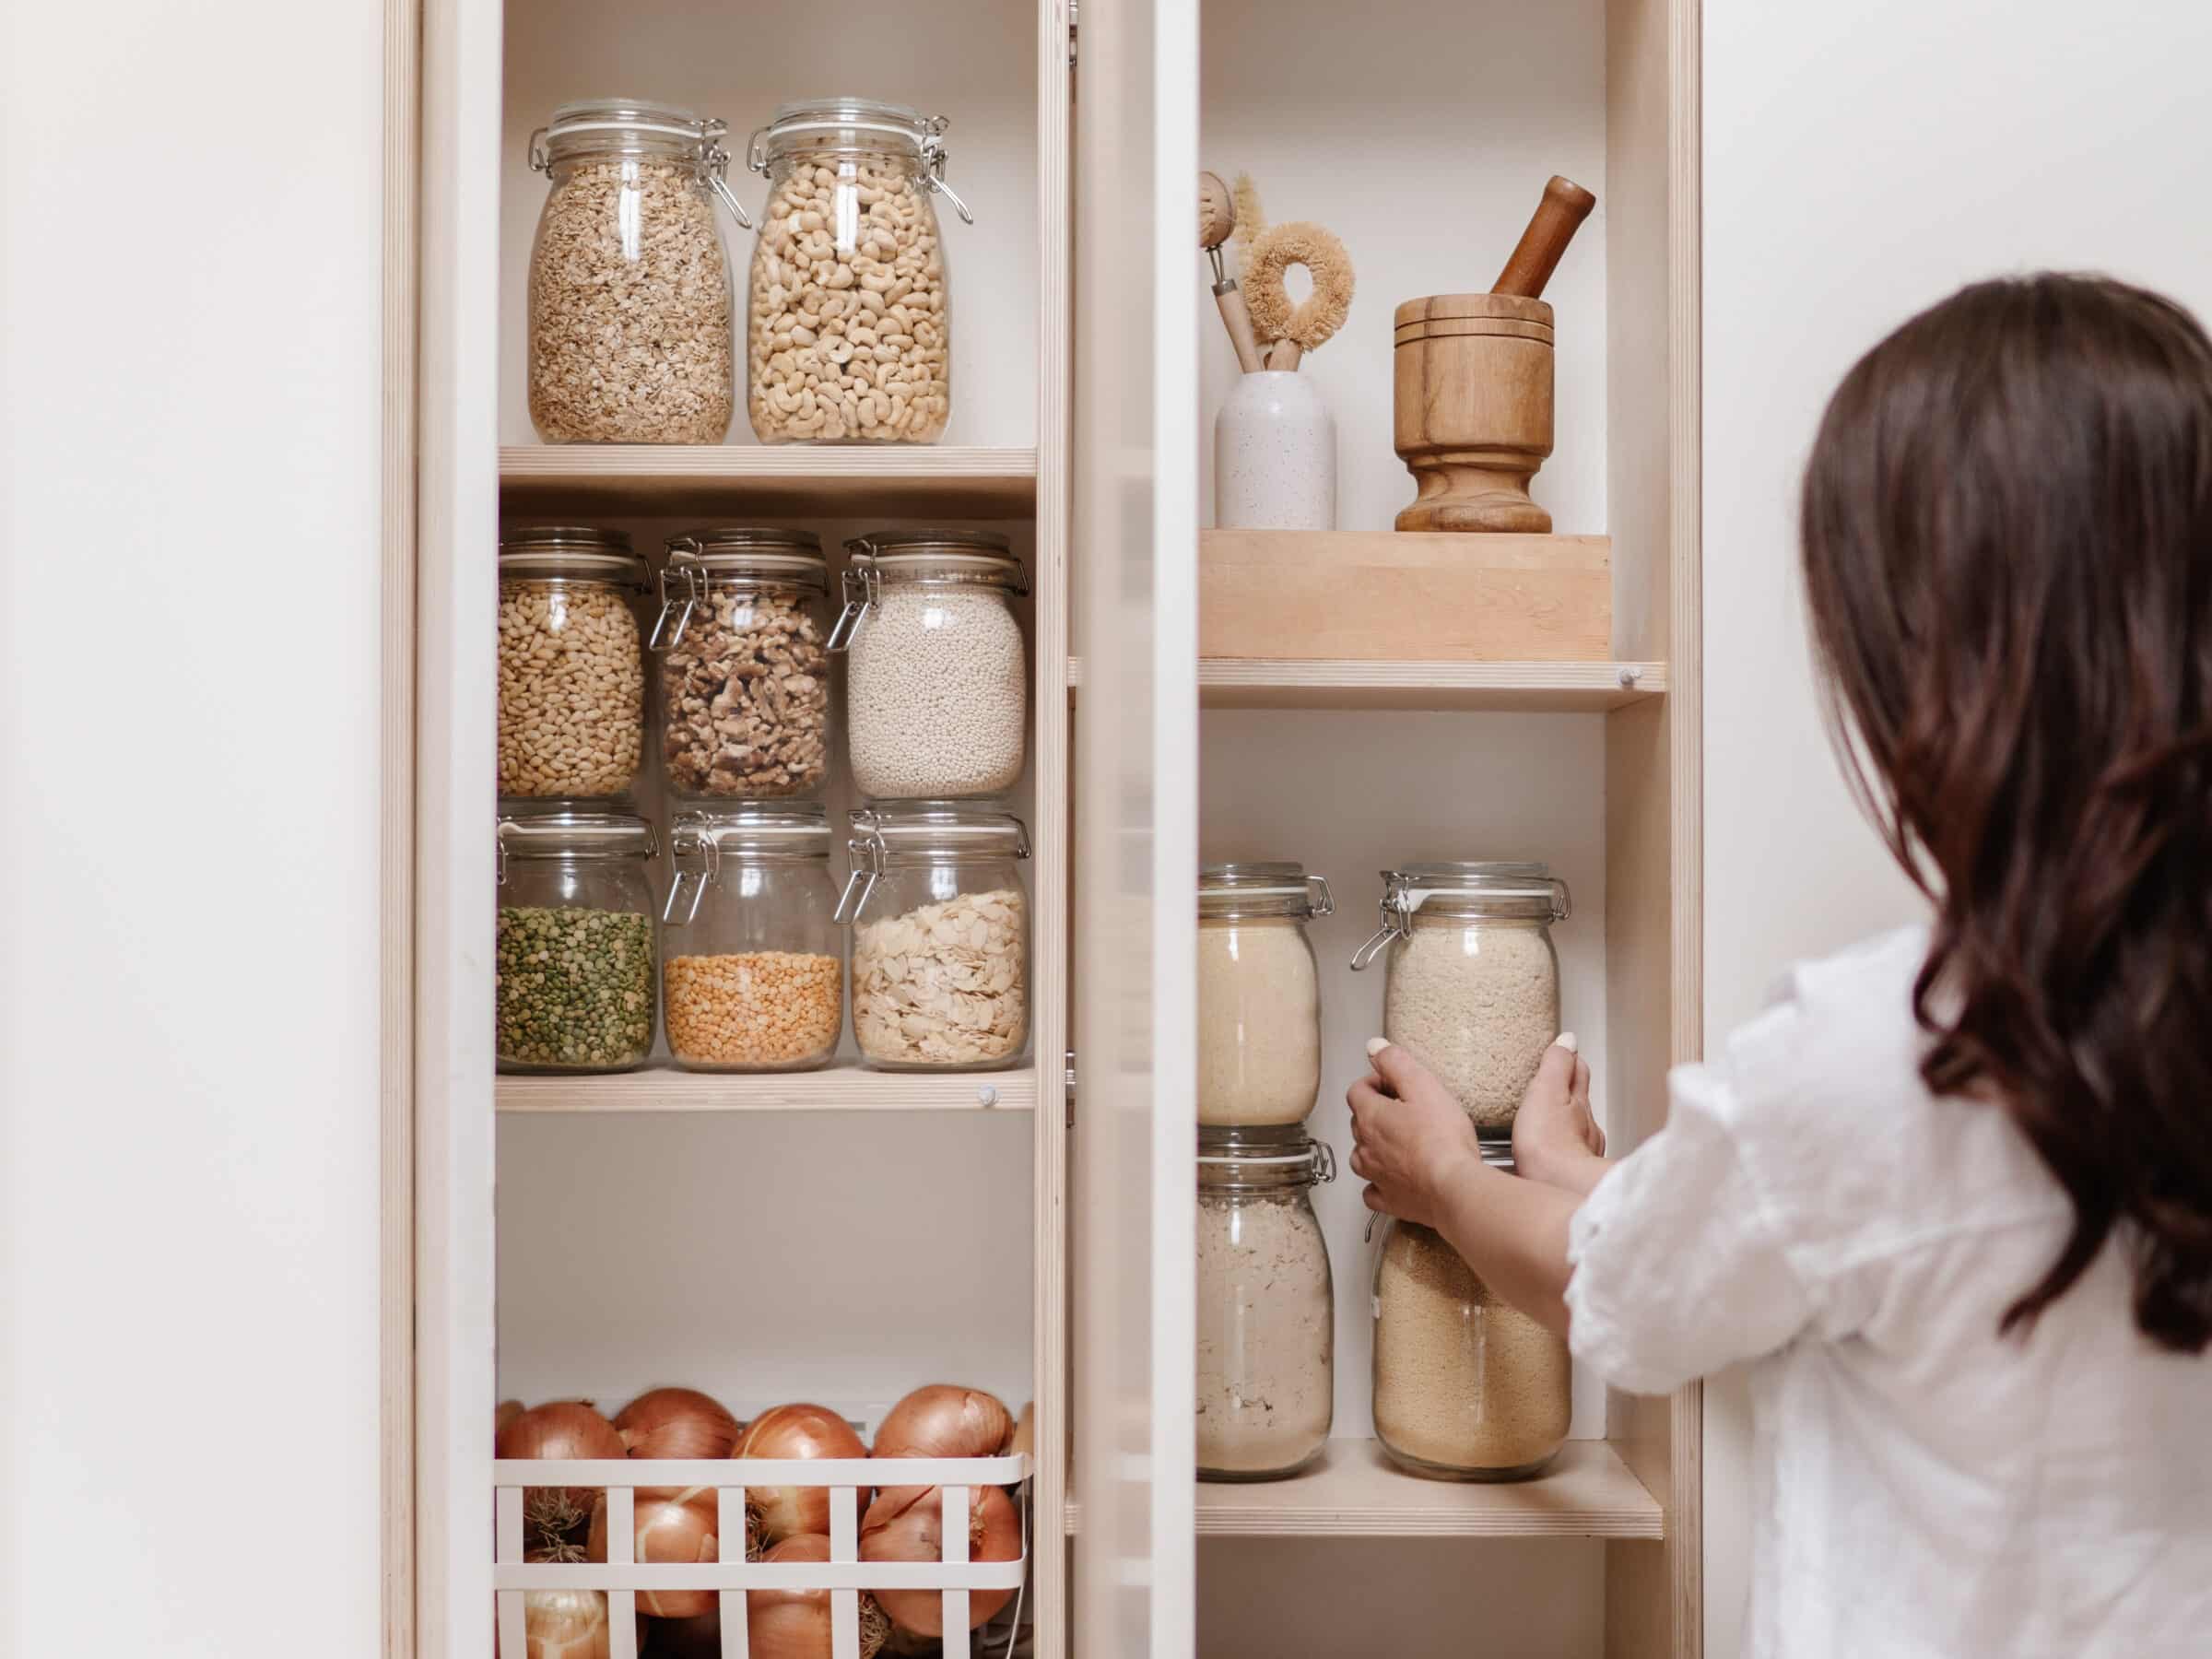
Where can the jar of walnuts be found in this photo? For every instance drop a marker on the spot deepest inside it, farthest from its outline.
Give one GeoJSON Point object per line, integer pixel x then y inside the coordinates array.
{"type": "Point", "coordinates": [848, 332]}
{"type": "Point", "coordinates": [744, 674]}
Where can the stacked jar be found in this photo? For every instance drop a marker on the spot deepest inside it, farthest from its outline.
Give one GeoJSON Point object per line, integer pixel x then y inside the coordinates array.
{"type": "Point", "coordinates": [936, 721]}
{"type": "Point", "coordinates": [574, 947]}
{"type": "Point", "coordinates": [1466, 1386]}
{"type": "Point", "coordinates": [1265, 1295]}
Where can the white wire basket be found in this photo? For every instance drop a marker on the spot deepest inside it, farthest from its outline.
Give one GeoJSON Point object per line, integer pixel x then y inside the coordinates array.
{"type": "Point", "coordinates": [956, 1578]}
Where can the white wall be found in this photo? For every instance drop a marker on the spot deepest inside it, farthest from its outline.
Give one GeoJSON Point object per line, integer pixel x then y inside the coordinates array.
{"type": "Point", "coordinates": [188, 1000]}
{"type": "Point", "coordinates": [1861, 162]}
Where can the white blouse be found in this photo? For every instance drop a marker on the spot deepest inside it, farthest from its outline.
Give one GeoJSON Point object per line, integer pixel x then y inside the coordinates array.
{"type": "Point", "coordinates": [1920, 1486]}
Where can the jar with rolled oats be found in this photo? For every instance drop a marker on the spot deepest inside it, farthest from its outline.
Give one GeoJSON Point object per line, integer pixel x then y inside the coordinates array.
{"type": "Point", "coordinates": [848, 328]}
{"type": "Point", "coordinates": [940, 937]}
{"type": "Point", "coordinates": [632, 333]}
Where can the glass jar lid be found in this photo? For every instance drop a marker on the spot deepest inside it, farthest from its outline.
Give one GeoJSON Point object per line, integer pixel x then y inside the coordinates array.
{"type": "Point", "coordinates": [1465, 891]}
{"type": "Point", "coordinates": [902, 834]}
{"type": "Point", "coordinates": [570, 552]}
{"type": "Point", "coordinates": [733, 556]}
{"type": "Point", "coordinates": [638, 127]}
{"type": "Point", "coordinates": [862, 124]}
{"type": "Point", "coordinates": [563, 834]}
{"type": "Point", "coordinates": [1261, 1157]}
{"type": "Point", "coordinates": [954, 557]}
{"type": "Point", "coordinates": [1259, 888]}
{"type": "Point", "coordinates": [699, 842]}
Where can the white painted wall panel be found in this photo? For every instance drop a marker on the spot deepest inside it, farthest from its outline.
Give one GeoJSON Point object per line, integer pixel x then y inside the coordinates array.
{"type": "Point", "coordinates": [189, 363]}
{"type": "Point", "coordinates": [1862, 162]}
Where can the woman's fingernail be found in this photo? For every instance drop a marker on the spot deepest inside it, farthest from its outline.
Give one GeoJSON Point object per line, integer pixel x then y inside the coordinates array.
{"type": "Point", "coordinates": [1375, 1045]}
{"type": "Point", "coordinates": [1565, 1039]}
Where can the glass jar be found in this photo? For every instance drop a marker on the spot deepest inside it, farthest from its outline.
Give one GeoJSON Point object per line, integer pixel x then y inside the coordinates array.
{"type": "Point", "coordinates": [745, 681]}
{"type": "Point", "coordinates": [1466, 1386]}
{"type": "Point", "coordinates": [936, 693]}
{"type": "Point", "coordinates": [1259, 992]}
{"type": "Point", "coordinates": [1472, 985]}
{"type": "Point", "coordinates": [752, 958]}
{"type": "Point", "coordinates": [574, 986]}
{"type": "Point", "coordinates": [940, 937]}
{"type": "Point", "coordinates": [1266, 1307]}
{"type": "Point", "coordinates": [631, 333]}
{"type": "Point", "coordinates": [847, 332]}
{"type": "Point", "coordinates": [571, 668]}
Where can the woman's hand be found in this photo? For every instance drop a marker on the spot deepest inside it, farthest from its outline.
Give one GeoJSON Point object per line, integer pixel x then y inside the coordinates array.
{"type": "Point", "coordinates": [1411, 1138]}
{"type": "Point", "coordinates": [1555, 1138]}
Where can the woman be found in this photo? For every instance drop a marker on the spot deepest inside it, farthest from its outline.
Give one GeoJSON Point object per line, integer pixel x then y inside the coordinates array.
{"type": "Point", "coordinates": [1952, 1193]}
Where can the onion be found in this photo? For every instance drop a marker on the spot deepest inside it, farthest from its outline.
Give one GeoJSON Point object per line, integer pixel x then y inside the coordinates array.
{"type": "Point", "coordinates": [794, 1624]}
{"type": "Point", "coordinates": [779, 1512]}
{"type": "Point", "coordinates": [564, 1624]}
{"type": "Point", "coordinates": [669, 1531]}
{"type": "Point", "coordinates": [907, 1523]}
{"type": "Point", "coordinates": [675, 1422]}
{"type": "Point", "coordinates": [1024, 1430]}
{"type": "Point", "coordinates": [566, 1428]}
{"type": "Point", "coordinates": [508, 1411]}
{"type": "Point", "coordinates": [942, 1420]}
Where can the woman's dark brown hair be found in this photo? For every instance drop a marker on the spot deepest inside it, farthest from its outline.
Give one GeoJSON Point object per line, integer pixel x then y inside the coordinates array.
{"type": "Point", "coordinates": [2008, 535]}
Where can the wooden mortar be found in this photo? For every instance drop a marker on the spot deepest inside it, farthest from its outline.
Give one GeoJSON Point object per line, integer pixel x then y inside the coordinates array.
{"type": "Point", "coordinates": [1472, 410]}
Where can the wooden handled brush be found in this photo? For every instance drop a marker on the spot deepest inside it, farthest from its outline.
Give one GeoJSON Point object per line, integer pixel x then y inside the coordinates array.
{"type": "Point", "coordinates": [1216, 223]}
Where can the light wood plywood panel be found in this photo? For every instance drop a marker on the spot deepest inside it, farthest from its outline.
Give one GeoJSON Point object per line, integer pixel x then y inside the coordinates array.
{"type": "Point", "coordinates": [839, 1089]}
{"type": "Point", "coordinates": [646, 480]}
{"type": "Point", "coordinates": [1411, 687]}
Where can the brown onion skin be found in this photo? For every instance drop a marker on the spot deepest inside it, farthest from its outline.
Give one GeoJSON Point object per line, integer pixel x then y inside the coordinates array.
{"type": "Point", "coordinates": [794, 1624]}
{"type": "Point", "coordinates": [667, 1532]}
{"type": "Point", "coordinates": [943, 1420]}
{"type": "Point", "coordinates": [558, 1624]}
{"type": "Point", "coordinates": [675, 1422]}
{"type": "Point", "coordinates": [562, 1430]}
{"type": "Point", "coordinates": [906, 1524]}
{"type": "Point", "coordinates": [794, 1432]}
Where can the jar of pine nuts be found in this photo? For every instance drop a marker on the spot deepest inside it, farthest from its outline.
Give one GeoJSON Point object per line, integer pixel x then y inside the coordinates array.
{"type": "Point", "coordinates": [571, 668]}
{"type": "Point", "coordinates": [752, 958]}
{"type": "Point", "coordinates": [847, 332]}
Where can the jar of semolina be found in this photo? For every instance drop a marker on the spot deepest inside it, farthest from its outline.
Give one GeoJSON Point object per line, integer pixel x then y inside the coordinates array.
{"type": "Point", "coordinates": [1471, 984]}
{"type": "Point", "coordinates": [1466, 1386]}
{"type": "Point", "coordinates": [752, 958]}
{"type": "Point", "coordinates": [1259, 995]}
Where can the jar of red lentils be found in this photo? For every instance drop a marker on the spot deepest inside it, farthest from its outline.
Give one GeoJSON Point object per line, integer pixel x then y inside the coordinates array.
{"type": "Point", "coordinates": [752, 957]}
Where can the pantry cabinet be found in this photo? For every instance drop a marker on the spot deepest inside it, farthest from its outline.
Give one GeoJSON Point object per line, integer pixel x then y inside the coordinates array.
{"type": "Point", "coordinates": [842, 1234]}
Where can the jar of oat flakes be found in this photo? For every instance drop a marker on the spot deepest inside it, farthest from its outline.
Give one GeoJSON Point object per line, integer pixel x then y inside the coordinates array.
{"type": "Point", "coordinates": [1466, 1386]}
{"type": "Point", "coordinates": [1266, 1308]}
{"type": "Point", "coordinates": [1259, 993]}
{"type": "Point", "coordinates": [572, 667]}
{"type": "Point", "coordinates": [847, 332]}
{"type": "Point", "coordinates": [745, 681]}
{"type": "Point", "coordinates": [1471, 986]}
{"type": "Point", "coordinates": [752, 958]}
{"type": "Point", "coordinates": [940, 937]}
{"type": "Point", "coordinates": [631, 339]}
{"type": "Point", "coordinates": [573, 980]}
{"type": "Point", "coordinates": [936, 694]}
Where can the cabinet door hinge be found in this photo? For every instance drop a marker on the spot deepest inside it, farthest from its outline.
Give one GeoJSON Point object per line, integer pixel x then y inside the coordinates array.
{"type": "Point", "coordinates": [1072, 6]}
{"type": "Point", "coordinates": [1071, 1088]}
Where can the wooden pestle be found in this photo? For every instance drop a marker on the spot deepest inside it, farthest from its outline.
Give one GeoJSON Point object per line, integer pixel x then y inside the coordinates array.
{"type": "Point", "coordinates": [1216, 223]}
{"type": "Point", "coordinates": [1557, 217]}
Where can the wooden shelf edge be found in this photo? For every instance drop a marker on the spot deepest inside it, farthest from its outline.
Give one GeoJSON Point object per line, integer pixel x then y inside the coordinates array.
{"type": "Point", "coordinates": [1319, 683]}
{"type": "Point", "coordinates": [1588, 1493]}
{"type": "Point", "coordinates": [840, 1088]}
{"type": "Point", "coordinates": [969, 481]}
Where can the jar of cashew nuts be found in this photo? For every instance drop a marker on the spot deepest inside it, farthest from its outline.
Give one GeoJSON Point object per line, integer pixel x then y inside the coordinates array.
{"type": "Point", "coordinates": [847, 332]}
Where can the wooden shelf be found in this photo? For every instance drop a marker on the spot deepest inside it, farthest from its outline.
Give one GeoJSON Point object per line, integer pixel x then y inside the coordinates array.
{"type": "Point", "coordinates": [1355, 1492]}
{"type": "Point", "coordinates": [784, 480]}
{"type": "Point", "coordinates": [1527, 688]}
{"type": "Point", "coordinates": [841, 1089]}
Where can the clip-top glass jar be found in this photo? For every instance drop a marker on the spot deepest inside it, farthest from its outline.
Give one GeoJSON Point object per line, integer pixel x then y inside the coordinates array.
{"type": "Point", "coordinates": [1466, 1386]}
{"type": "Point", "coordinates": [1266, 1305]}
{"type": "Point", "coordinates": [1259, 992]}
{"type": "Point", "coordinates": [574, 987]}
{"type": "Point", "coordinates": [744, 678]}
{"type": "Point", "coordinates": [753, 961]}
{"type": "Point", "coordinates": [571, 668]}
{"type": "Point", "coordinates": [849, 334]}
{"type": "Point", "coordinates": [1472, 986]}
{"type": "Point", "coordinates": [936, 695]}
{"type": "Point", "coordinates": [630, 332]}
{"type": "Point", "coordinates": [940, 937]}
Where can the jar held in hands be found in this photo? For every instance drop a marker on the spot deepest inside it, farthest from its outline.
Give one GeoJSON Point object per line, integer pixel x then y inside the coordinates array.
{"type": "Point", "coordinates": [936, 689]}
{"type": "Point", "coordinates": [848, 331]}
{"type": "Point", "coordinates": [745, 675]}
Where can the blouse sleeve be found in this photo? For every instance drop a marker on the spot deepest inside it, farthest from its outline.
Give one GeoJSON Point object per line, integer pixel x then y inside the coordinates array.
{"type": "Point", "coordinates": [1679, 1267]}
